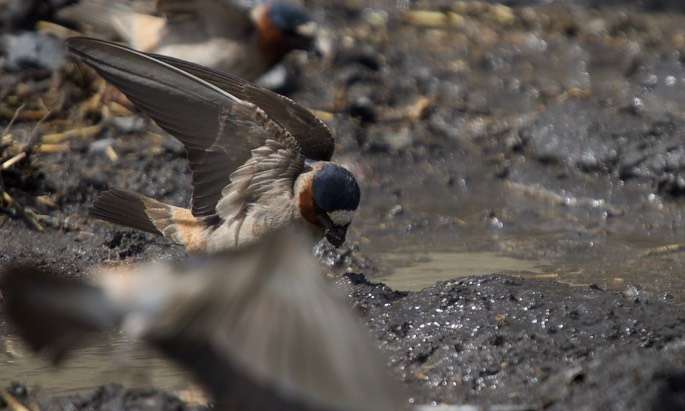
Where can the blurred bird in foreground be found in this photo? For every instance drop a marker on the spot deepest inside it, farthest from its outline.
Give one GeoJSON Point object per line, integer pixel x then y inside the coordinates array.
{"type": "Point", "coordinates": [258, 327]}
{"type": "Point", "coordinates": [228, 35]}
{"type": "Point", "coordinates": [259, 161]}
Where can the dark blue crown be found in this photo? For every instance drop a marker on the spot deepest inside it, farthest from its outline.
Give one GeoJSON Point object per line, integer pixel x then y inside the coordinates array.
{"type": "Point", "coordinates": [335, 188]}
{"type": "Point", "coordinates": [288, 17]}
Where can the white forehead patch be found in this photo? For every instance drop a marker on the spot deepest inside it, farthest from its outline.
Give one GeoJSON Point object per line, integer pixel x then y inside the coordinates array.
{"type": "Point", "coordinates": [341, 217]}
{"type": "Point", "coordinates": [307, 30]}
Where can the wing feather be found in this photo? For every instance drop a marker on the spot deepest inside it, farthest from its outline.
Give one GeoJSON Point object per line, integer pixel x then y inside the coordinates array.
{"type": "Point", "coordinates": [217, 128]}
{"type": "Point", "coordinates": [266, 178]}
{"type": "Point", "coordinates": [312, 134]}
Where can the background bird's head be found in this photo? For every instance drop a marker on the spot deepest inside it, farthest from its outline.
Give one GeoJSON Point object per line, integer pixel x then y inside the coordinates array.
{"type": "Point", "coordinates": [282, 28]}
{"type": "Point", "coordinates": [328, 198]}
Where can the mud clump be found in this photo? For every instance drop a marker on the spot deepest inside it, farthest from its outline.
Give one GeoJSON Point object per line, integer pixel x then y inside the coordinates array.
{"type": "Point", "coordinates": [502, 340]}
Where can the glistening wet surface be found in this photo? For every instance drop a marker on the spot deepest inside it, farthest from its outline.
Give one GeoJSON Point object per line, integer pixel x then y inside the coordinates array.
{"type": "Point", "coordinates": [578, 235]}
{"type": "Point", "coordinates": [622, 265]}
{"type": "Point", "coordinates": [414, 271]}
{"type": "Point", "coordinates": [109, 357]}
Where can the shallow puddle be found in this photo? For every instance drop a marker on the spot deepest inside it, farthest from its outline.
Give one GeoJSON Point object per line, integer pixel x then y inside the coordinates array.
{"type": "Point", "coordinates": [575, 233]}
{"type": "Point", "coordinates": [651, 269]}
{"type": "Point", "coordinates": [107, 358]}
{"type": "Point", "coordinates": [407, 272]}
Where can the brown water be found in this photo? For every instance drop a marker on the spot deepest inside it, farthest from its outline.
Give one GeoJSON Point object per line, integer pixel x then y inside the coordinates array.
{"type": "Point", "coordinates": [108, 358]}
{"type": "Point", "coordinates": [619, 241]}
{"type": "Point", "coordinates": [621, 266]}
{"type": "Point", "coordinates": [415, 271]}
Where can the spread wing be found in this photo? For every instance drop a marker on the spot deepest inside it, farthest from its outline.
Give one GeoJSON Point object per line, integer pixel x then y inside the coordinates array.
{"type": "Point", "coordinates": [217, 128]}
{"type": "Point", "coordinates": [314, 137]}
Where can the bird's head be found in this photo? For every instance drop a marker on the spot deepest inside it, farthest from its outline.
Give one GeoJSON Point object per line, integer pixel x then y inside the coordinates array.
{"type": "Point", "coordinates": [283, 27]}
{"type": "Point", "coordinates": [328, 197]}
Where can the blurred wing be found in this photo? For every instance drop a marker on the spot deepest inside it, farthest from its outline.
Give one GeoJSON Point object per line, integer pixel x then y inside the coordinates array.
{"type": "Point", "coordinates": [314, 137]}
{"type": "Point", "coordinates": [259, 326]}
{"type": "Point", "coordinates": [269, 313]}
{"type": "Point", "coordinates": [217, 128]}
{"type": "Point", "coordinates": [53, 314]}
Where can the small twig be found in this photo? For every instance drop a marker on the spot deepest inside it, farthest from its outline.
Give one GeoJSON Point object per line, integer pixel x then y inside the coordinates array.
{"type": "Point", "coordinates": [433, 18]}
{"type": "Point", "coordinates": [33, 140]}
{"type": "Point", "coordinates": [14, 118]}
{"type": "Point", "coordinates": [111, 154]}
{"type": "Point", "coordinates": [82, 132]}
{"type": "Point", "coordinates": [666, 249]}
{"type": "Point", "coordinates": [27, 215]}
{"type": "Point", "coordinates": [552, 197]}
{"type": "Point", "coordinates": [574, 93]}
{"type": "Point", "coordinates": [53, 148]}
{"type": "Point", "coordinates": [412, 112]}
{"type": "Point", "coordinates": [33, 137]}
{"type": "Point", "coordinates": [47, 202]}
{"type": "Point", "coordinates": [12, 161]}
{"type": "Point", "coordinates": [119, 109]}
{"type": "Point", "coordinates": [12, 402]}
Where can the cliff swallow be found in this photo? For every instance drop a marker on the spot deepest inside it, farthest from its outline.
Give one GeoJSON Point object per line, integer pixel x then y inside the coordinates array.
{"type": "Point", "coordinates": [258, 327]}
{"type": "Point", "coordinates": [258, 160]}
{"type": "Point", "coordinates": [222, 34]}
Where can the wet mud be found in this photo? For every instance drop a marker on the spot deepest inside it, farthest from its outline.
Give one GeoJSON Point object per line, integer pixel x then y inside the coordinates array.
{"type": "Point", "coordinates": [504, 340]}
{"type": "Point", "coordinates": [540, 130]}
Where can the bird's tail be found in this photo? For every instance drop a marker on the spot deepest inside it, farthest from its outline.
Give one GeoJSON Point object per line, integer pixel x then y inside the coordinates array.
{"type": "Point", "coordinates": [134, 210]}
{"type": "Point", "coordinates": [141, 31]}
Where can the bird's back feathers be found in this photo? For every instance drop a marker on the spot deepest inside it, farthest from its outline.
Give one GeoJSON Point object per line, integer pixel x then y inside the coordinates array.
{"type": "Point", "coordinates": [141, 31]}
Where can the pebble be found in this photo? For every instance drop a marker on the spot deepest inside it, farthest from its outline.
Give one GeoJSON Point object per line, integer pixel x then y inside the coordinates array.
{"type": "Point", "coordinates": [32, 50]}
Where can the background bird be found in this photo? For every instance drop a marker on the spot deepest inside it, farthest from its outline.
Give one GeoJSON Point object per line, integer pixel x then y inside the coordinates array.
{"type": "Point", "coordinates": [222, 34]}
{"type": "Point", "coordinates": [258, 327]}
{"type": "Point", "coordinates": [258, 160]}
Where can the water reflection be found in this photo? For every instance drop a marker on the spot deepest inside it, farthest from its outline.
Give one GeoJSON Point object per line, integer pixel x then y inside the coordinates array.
{"type": "Point", "coordinates": [407, 272]}
{"type": "Point", "coordinates": [617, 264]}
{"type": "Point", "coordinates": [573, 228]}
{"type": "Point", "coordinates": [108, 358]}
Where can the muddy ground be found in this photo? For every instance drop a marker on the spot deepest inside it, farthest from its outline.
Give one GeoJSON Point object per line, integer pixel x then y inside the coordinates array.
{"type": "Point", "coordinates": [549, 128]}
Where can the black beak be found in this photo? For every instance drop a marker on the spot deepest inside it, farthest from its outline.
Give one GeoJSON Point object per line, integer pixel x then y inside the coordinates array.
{"type": "Point", "coordinates": [336, 235]}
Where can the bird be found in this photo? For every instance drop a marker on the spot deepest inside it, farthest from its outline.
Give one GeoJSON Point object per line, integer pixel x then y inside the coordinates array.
{"type": "Point", "coordinates": [257, 327]}
{"type": "Point", "coordinates": [223, 34]}
{"type": "Point", "coordinates": [258, 160]}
